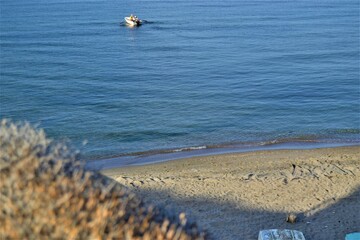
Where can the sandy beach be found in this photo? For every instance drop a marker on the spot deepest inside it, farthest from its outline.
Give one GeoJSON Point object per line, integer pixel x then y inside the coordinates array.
{"type": "Point", "coordinates": [233, 196]}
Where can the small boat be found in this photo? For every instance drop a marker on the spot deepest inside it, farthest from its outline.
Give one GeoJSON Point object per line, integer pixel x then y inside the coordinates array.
{"type": "Point", "coordinates": [133, 21]}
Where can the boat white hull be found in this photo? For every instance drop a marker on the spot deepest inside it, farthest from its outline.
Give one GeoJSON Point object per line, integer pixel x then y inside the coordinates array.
{"type": "Point", "coordinates": [132, 23]}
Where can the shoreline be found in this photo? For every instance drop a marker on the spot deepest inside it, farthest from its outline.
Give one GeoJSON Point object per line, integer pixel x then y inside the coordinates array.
{"type": "Point", "coordinates": [236, 195]}
{"type": "Point", "coordinates": [158, 156]}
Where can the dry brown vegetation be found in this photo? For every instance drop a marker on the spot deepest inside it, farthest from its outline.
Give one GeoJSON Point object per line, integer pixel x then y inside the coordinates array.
{"type": "Point", "coordinates": [47, 194]}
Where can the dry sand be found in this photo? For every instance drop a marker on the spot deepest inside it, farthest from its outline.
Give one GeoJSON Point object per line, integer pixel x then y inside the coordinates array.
{"type": "Point", "coordinates": [234, 196]}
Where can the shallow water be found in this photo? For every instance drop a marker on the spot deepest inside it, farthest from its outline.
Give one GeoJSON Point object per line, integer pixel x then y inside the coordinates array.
{"type": "Point", "coordinates": [196, 74]}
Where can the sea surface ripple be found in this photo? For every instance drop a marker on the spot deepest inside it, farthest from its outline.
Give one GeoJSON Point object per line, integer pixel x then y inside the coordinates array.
{"type": "Point", "coordinates": [197, 73]}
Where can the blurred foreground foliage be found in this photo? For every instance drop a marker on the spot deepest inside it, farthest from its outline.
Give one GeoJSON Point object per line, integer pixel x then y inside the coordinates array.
{"type": "Point", "coordinates": [47, 194]}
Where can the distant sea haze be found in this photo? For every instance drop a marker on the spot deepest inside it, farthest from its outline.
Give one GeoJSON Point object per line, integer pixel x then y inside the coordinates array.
{"type": "Point", "coordinates": [197, 74]}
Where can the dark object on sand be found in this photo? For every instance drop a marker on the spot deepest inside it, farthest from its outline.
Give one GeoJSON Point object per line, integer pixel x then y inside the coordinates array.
{"type": "Point", "coordinates": [291, 218]}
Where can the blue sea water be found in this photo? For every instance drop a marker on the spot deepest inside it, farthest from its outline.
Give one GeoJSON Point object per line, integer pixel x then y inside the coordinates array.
{"type": "Point", "coordinates": [197, 73]}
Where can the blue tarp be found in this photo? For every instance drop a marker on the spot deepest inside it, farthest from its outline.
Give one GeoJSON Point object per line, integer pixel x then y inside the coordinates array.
{"type": "Point", "coordinates": [353, 236]}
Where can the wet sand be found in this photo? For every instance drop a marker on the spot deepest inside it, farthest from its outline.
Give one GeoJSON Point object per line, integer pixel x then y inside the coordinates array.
{"type": "Point", "coordinates": [233, 196]}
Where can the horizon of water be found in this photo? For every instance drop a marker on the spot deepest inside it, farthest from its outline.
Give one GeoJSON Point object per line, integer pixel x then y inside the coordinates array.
{"type": "Point", "coordinates": [196, 75]}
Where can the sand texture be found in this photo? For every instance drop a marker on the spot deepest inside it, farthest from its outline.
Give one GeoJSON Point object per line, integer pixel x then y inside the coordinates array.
{"type": "Point", "coordinates": [234, 196]}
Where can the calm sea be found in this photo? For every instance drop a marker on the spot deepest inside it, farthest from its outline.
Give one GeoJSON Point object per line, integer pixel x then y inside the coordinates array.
{"type": "Point", "coordinates": [197, 74]}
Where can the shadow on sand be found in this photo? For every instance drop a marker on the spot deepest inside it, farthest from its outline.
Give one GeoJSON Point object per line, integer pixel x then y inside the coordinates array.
{"type": "Point", "coordinates": [226, 221]}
